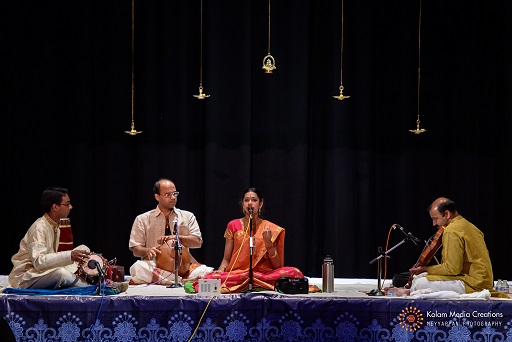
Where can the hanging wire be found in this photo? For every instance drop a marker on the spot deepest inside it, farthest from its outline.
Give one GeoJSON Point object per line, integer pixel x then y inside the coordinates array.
{"type": "Point", "coordinates": [245, 231]}
{"type": "Point", "coordinates": [341, 50]}
{"type": "Point", "coordinates": [341, 96]}
{"type": "Point", "coordinates": [269, 63]}
{"type": "Point", "coordinates": [201, 95]}
{"type": "Point", "coordinates": [133, 131]}
{"type": "Point", "coordinates": [418, 130]}
{"type": "Point", "coordinates": [268, 38]}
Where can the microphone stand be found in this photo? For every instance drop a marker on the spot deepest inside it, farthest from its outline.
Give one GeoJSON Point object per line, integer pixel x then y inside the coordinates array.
{"type": "Point", "coordinates": [378, 291]}
{"type": "Point", "coordinates": [101, 279]}
{"type": "Point", "coordinates": [251, 247]}
{"type": "Point", "coordinates": [177, 249]}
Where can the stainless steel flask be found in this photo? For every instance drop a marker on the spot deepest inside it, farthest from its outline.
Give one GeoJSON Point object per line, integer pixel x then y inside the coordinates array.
{"type": "Point", "coordinates": [328, 275]}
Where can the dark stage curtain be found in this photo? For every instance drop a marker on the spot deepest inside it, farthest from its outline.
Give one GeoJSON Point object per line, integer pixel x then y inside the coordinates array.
{"type": "Point", "coordinates": [335, 174]}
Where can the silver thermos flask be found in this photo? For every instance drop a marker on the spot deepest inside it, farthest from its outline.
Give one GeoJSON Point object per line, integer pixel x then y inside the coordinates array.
{"type": "Point", "coordinates": [328, 275]}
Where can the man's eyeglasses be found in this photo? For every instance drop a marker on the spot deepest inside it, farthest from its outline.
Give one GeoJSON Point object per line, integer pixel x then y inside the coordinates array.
{"type": "Point", "coordinates": [66, 204]}
{"type": "Point", "coordinates": [169, 194]}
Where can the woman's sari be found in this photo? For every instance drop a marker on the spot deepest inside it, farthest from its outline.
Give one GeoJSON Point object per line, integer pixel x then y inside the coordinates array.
{"type": "Point", "coordinates": [236, 277]}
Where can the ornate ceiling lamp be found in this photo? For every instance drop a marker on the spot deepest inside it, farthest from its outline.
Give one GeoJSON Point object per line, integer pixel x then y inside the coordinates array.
{"type": "Point", "coordinates": [133, 131]}
{"type": "Point", "coordinates": [418, 130]}
{"type": "Point", "coordinates": [269, 64]}
{"type": "Point", "coordinates": [341, 96]}
{"type": "Point", "coordinates": [201, 95]}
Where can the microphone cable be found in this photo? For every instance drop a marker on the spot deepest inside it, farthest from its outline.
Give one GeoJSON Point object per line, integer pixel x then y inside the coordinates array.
{"type": "Point", "coordinates": [101, 291]}
{"type": "Point", "coordinates": [222, 285]}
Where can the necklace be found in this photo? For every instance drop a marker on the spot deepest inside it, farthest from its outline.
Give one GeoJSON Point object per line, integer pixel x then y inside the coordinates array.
{"type": "Point", "coordinates": [255, 223]}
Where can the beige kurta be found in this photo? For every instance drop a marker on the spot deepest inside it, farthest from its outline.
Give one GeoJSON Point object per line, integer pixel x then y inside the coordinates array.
{"type": "Point", "coordinates": [464, 257]}
{"type": "Point", "coordinates": [38, 254]}
{"type": "Point", "coordinates": [146, 230]}
{"type": "Point", "coordinates": [149, 226]}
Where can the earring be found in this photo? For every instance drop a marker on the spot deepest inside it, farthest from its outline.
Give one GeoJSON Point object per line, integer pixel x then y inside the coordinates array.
{"type": "Point", "coordinates": [259, 212]}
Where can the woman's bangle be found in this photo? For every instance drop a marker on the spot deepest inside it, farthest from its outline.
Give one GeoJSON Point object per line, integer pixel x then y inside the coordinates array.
{"type": "Point", "coordinates": [275, 254]}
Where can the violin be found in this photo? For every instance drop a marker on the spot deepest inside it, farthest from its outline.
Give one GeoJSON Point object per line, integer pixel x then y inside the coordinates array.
{"type": "Point", "coordinates": [428, 253]}
{"type": "Point", "coordinates": [165, 260]}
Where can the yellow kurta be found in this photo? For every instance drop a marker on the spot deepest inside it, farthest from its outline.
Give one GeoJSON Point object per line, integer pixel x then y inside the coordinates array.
{"type": "Point", "coordinates": [464, 257]}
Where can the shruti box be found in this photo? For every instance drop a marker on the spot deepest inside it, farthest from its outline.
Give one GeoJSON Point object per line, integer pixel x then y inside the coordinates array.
{"type": "Point", "coordinates": [292, 285]}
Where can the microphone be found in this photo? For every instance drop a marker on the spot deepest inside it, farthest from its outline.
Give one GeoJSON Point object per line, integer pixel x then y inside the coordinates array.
{"type": "Point", "coordinates": [250, 210]}
{"type": "Point", "coordinates": [94, 264]}
{"type": "Point", "coordinates": [409, 235]}
{"type": "Point", "coordinates": [178, 244]}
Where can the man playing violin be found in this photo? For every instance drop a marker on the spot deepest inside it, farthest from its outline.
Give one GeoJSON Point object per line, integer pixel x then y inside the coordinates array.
{"type": "Point", "coordinates": [465, 265]}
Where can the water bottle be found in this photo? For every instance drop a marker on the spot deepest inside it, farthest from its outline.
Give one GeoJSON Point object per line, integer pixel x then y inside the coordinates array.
{"type": "Point", "coordinates": [504, 286]}
{"type": "Point", "coordinates": [499, 285]}
{"type": "Point", "coordinates": [328, 275]}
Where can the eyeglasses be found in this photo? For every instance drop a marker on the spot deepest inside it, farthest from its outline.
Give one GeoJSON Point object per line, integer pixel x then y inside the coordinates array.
{"type": "Point", "coordinates": [169, 194]}
{"type": "Point", "coordinates": [66, 204]}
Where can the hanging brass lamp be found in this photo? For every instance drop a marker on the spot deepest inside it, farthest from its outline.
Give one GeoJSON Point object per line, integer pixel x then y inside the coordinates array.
{"type": "Point", "coordinates": [341, 96]}
{"type": "Point", "coordinates": [269, 63]}
{"type": "Point", "coordinates": [133, 131]}
{"type": "Point", "coordinates": [418, 130]}
{"type": "Point", "coordinates": [201, 95]}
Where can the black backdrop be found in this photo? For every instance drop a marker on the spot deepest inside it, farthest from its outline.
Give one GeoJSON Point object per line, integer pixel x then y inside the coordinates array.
{"type": "Point", "coordinates": [335, 174]}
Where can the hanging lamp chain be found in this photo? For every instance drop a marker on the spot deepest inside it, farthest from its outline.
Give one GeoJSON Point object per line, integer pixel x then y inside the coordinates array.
{"type": "Point", "coordinates": [201, 95]}
{"type": "Point", "coordinates": [418, 130]}
{"type": "Point", "coordinates": [269, 63]}
{"type": "Point", "coordinates": [268, 38]}
{"type": "Point", "coordinates": [132, 130]}
{"type": "Point", "coordinates": [341, 96]}
{"type": "Point", "coordinates": [201, 48]}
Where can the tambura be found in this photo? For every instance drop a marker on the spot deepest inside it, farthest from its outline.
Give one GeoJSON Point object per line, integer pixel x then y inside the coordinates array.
{"type": "Point", "coordinates": [66, 235]}
{"type": "Point", "coordinates": [89, 272]}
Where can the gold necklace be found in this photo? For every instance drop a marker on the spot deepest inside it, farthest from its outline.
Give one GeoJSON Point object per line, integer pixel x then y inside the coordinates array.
{"type": "Point", "coordinates": [255, 224]}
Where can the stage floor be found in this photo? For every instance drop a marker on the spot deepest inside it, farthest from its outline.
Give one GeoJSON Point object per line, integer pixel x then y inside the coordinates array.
{"type": "Point", "coordinates": [342, 288]}
{"type": "Point", "coordinates": [158, 313]}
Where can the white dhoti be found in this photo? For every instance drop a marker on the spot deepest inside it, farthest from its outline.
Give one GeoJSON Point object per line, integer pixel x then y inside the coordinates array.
{"type": "Point", "coordinates": [146, 272]}
{"type": "Point", "coordinates": [420, 283]}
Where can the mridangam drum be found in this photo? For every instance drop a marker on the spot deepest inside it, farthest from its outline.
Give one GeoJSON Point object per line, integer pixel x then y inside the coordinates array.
{"type": "Point", "coordinates": [88, 268]}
